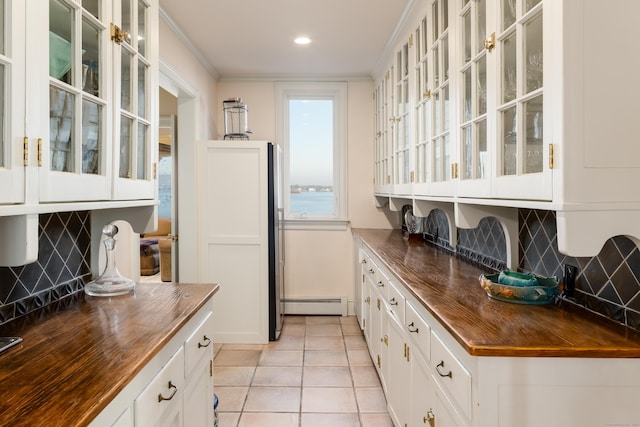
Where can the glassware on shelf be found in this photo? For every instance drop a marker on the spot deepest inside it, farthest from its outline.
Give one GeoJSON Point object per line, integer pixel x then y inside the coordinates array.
{"type": "Point", "coordinates": [110, 282]}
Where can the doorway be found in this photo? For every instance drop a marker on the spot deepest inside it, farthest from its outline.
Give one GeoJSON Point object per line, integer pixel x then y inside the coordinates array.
{"type": "Point", "coordinates": [178, 110]}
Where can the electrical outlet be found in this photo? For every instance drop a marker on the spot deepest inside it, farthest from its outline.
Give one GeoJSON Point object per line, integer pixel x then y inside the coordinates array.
{"type": "Point", "coordinates": [569, 280]}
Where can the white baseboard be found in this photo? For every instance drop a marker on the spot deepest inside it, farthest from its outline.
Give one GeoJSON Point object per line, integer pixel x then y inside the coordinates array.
{"type": "Point", "coordinates": [317, 306]}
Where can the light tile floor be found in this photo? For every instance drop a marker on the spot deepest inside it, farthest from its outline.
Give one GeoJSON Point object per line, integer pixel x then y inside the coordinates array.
{"type": "Point", "coordinates": [317, 374]}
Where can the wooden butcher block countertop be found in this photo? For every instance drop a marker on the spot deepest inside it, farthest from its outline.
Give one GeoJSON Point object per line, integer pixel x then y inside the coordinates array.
{"type": "Point", "coordinates": [78, 354]}
{"type": "Point", "coordinates": [449, 288]}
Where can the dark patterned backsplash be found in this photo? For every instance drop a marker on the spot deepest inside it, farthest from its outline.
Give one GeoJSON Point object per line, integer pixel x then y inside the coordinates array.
{"type": "Point", "coordinates": [608, 284]}
{"type": "Point", "coordinates": [62, 267]}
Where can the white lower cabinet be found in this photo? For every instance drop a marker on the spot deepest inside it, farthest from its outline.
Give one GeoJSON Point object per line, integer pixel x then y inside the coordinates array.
{"type": "Point", "coordinates": [175, 388]}
{"type": "Point", "coordinates": [430, 380]}
{"type": "Point", "coordinates": [398, 394]}
{"type": "Point", "coordinates": [160, 402]}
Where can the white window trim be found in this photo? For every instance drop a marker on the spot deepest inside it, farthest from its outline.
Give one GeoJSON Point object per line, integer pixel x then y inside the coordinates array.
{"type": "Point", "coordinates": [337, 91]}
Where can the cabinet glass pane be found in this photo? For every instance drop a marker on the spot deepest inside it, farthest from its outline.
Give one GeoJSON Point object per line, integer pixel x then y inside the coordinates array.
{"type": "Point", "coordinates": [125, 76]}
{"type": "Point", "coordinates": [481, 24]}
{"type": "Point", "coordinates": [445, 108]}
{"type": "Point", "coordinates": [142, 85]}
{"type": "Point", "coordinates": [533, 53]}
{"type": "Point", "coordinates": [436, 67]}
{"type": "Point", "coordinates": [92, 6]}
{"type": "Point", "coordinates": [61, 117]}
{"type": "Point", "coordinates": [125, 147]}
{"type": "Point", "coordinates": [466, 79]}
{"type": "Point", "coordinates": [534, 132]}
{"type": "Point", "coordinates": [142, 28]}
{"type": "Point", "coordinates": [90, 58]}
{"type": "Point", "coordinates": [437, 160]}
{"type": "Point", "coordinates": [508, 13]}
{"type": "Point", "coordinates": [447, 157]}
{"type": "Point", "coordinates": [60, 41]}
{"type": "Point", "coordinates": [483, 155]}
{"type": "Point", "coordinates": [436, 114]}
{"type": "Point", "coordinates": [466, 36]}
{"type": "Point", "coordinates": [91, 140]}
{"type": "Point", "coordinates": [445, 14]}
{"type": "Point", "coordinates": [435, 15]}
{"type": "Point", "coordinates": [141, 171]}
{"type": "Point", "coordinates": [509, 69]}
{"type": "Point", "coordinates": [445, 58]}
{"type": "Point", "coordinates": [510, 138]}
{"type": "Point", "coordinates": [481, 88]}
{"type": "Point", "coordinates": [529, 4]}
{"type": "Point", "coordinates": [467, 158]}
{"type": "Point", "coordinates": [126, 16]}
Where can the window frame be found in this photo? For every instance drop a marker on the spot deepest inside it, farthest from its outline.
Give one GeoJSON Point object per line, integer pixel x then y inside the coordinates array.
{"type": "Point", "coordinates": [337, 92]}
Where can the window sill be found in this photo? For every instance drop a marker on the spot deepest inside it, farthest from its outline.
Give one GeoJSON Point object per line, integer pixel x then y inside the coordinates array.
{"type": "Point", "coordinates": [316, 224]}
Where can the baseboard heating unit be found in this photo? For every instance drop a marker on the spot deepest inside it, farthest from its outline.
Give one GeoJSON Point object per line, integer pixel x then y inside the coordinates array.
{"type": "Point", "coordinates": [316, 306]}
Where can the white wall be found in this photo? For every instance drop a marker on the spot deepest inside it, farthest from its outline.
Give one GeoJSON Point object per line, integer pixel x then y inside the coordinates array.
{"type": "Point", "coordinates": [320, 263]}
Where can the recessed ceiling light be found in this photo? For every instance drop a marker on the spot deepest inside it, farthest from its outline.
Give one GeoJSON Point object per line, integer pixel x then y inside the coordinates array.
{"type": "Point", "coordinates": [302, 40]}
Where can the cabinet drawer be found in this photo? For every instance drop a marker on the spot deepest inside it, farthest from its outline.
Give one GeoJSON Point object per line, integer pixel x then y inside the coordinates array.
{"type": "Point", "coordinates": [396, 302]}
{"type": "Point", "coordinates": [370, 268]}
{"type": "Point", "coordinates": [453, 376]}
{"type": "Point", "coordinates": [418, 329]}
{"type": "Point", "coordinates": [162, 393]}
{"type": "Point", "coordinates": [199, 344]}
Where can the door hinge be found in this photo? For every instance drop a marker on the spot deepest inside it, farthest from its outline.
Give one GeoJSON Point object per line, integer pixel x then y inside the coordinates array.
{"type": "Point", "coordinates": [210, 368]}
{"type": "Point", "coordinates": [25, 151]}
{"type": "Point", "coordinates": [410, 40]}
{"type": "Point", "coordinates": [454, 170]}
{"type": "Point", "coordinates": [378, 303]}
{"type": "Point", "coordinates": [155, 170]}
{"type": "Point", "coordinates": [411, 176]}
{"type": "Point", "coordinates": [39, 151]}
{"type": "Point", "coordinates": [379, 364]}
{"type": "Point", "coordinates": [551, 156]}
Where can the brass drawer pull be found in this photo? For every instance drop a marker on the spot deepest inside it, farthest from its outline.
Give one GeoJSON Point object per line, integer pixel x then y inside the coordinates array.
{"type": "Point", "coordinates": [206, 340]}
{"type": "Point", "coordinates": [173, 389]}
{"type": "Point", "coordinates": [441, 364]}
{"type": "Point", "coordinates": [380, 284]}
{"type": "Point", "coordinates": [393, 301]}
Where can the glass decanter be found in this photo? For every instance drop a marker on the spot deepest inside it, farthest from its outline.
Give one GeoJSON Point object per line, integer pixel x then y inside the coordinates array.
{"type": "Point", "coordinates": [110, 282]}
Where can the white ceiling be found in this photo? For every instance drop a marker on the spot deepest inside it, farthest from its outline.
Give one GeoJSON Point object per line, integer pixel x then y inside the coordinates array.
{"type": "Point", "coordinates": [254, 38]}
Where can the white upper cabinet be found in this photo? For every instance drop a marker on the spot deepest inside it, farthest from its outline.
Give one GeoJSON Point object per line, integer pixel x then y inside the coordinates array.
{"type": "Point", "coordinates": [74, 150]}
{"type": "Point", "coordinates": [12, 101]}
{"type": "Point", "coordinates": [520, 170]}
{"type": "Point", "coordinates": [135, 62]}
{"type": "Point", "coordinates": [517, 103]}
{"type": "Point", "coordinates": [92, 73]}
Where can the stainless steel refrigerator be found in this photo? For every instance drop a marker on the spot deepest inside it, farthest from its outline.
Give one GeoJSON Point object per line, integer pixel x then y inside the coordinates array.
{"type": "Point", "coordinates": [276, 242]}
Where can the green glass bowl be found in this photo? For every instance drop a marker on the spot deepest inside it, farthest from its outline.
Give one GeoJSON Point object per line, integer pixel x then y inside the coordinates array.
{"type": "Point", "coordinates": [545, 292]}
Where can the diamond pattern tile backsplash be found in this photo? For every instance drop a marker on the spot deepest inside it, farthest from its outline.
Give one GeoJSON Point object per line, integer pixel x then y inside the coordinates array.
{"type": "Point", "coordinates": [62, 267]}
{"type": "Point", "coordinates": [608, 284]}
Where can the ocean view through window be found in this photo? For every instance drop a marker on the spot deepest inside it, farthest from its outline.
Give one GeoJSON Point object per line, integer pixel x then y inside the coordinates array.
{"type": "Point", "coordinates": [312, 132]}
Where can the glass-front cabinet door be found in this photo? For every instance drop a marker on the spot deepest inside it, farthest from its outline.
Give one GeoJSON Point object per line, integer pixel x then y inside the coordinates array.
{"type": "Point", "coordinates": [12, 101]}
{"type": "Point", "coordinates": [74, 155]}
{"type": "Point", "coordinates": [474, 149]}
{"type": "Point", "coordinates": [382, 167]}
{"type": "Point", "coordinates": [422, 154]}
{"type": "Point", "coordinates": [401, 135]}
{"type": "Point", "coordinates": [135, 160]}
{"type": "Point", "coordinates": [521, 170]}
{"type": "Point", "coordinates": [438, 89]}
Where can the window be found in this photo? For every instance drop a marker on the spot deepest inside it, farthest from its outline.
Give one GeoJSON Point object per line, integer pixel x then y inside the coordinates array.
{"type": "Point", "coordinates": [311, 127]}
